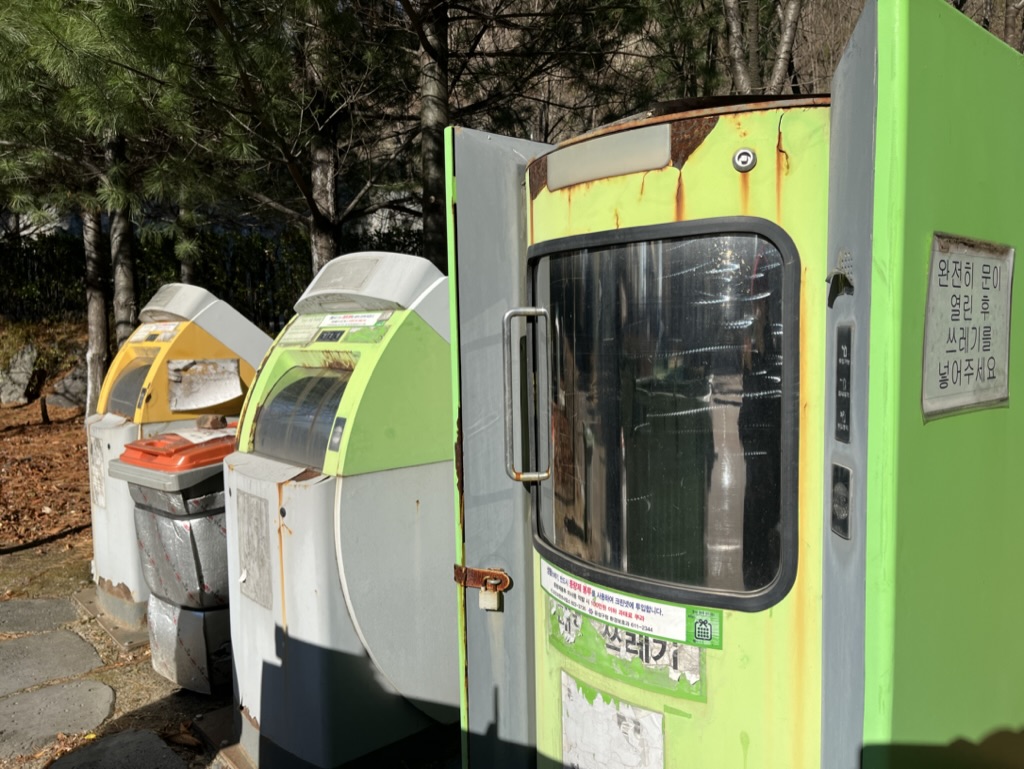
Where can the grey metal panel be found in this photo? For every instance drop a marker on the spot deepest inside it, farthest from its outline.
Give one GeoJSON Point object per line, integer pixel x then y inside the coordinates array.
{"type": "Point", "coordinates": [236, 332]}
{"type": "Point", "coordinates": [432, 306]}
{"type": "Point", "coordinates": [851, 193]}
{"type": "Point", "coordinates": [176, 301]}
{"type": "Point", "coordinates": [395, 542]}
{"type": "Point", "coordinates": [369, 280]}
{"type": "Point", "coordinates": [491, 277]}
{"type": "Point", "coordinates": [159, 480]}
{"type": "Point", "coordinates": [626, 152]}
{"type": "Point", "coordinates": [298, 653]}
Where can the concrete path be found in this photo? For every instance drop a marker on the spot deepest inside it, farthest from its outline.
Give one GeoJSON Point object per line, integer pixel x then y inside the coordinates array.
{"type": "Point", "coordinates": [124, 750]}
{"type": "Point", "coordinates": [31, 720]}
{"type": "Point", "coordinates": [37, 701]}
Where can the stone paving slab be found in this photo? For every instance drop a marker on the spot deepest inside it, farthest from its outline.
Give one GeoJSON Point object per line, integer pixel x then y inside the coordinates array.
{"type": "Point", "coordinates": [36, 659]}
{"type": "Point", "coordinates": [124, 750]}
{"type": "Point", "coordinates": [35, 615]}
{"type": "Point", "coordinates": [31, 720]}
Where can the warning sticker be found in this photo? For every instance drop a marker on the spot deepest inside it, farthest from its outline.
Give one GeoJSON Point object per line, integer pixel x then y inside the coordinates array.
{"type": "Point", "coordinates": [672, 622]}
{"type": "Point", "coordinates": [967, 326]}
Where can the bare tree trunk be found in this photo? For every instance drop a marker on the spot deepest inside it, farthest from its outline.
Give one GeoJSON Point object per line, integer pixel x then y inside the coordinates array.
{"type": "Point", "coordinates": [121, 256]}
{"type": "Point", "coordinates": [433, 119]}
{"type": "Point", "coordinates": [744, 40]}
{"type": "Point", "coordinates": [324, 170]}
{"type": "Point", "coordinates": [738, 59]}
{"type": "Point", "coordinates": [323, 147]}
{"type": "Point", "coordinates": [753, 38]}
{"type": "Point", "coordinates": [96, 311]}
{"type": "Point", "coordinates": [123, 261]}
{"type": "Point", "coordinates": [788, 20]}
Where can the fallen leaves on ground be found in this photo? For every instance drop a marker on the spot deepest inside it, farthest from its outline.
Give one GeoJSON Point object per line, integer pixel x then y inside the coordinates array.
{"type": "Point", "coordinates": [44, 473]}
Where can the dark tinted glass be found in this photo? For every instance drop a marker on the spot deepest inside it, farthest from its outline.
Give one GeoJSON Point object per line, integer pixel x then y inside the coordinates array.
{"type": "Point", "coordinates": [295, 423]}
{"type": "Point", "coordinates": [666, 409]}
{"type": "Point", "coordinates": [124, 395]}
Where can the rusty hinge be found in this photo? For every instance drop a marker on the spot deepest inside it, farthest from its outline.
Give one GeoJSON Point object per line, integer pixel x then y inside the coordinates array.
{"type": "Point", "coordinates": [490, 582]}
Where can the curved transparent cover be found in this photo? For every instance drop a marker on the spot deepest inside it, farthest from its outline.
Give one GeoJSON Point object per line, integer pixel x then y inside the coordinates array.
{"type": "Point", "coordinates": [666, 408]}
{"type": "Point", "coordinates": [124, 395]}
{"type": "Point", "coordinates": [296, 422]}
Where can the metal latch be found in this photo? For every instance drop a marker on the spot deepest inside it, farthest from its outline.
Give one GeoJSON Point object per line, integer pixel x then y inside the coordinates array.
{"type": "Point", "coordinates": [490, 582]}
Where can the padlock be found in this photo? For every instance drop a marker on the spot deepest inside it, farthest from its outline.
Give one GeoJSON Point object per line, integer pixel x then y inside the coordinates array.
{"type": "Point", "coordinates": [490, 600]}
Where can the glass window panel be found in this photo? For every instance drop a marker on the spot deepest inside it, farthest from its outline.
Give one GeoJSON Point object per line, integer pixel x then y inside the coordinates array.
{"type": "Point", "coordinates": [295, 422]}
{"type": "Point", "coordinates": [666, 409]}
{"type": "Point", "coordinates": [124, 395]}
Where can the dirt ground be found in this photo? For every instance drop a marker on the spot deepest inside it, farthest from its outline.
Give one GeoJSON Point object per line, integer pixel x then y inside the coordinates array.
{"type": "Point", "coordinates": [44, 474]}
{"type": "Point", "coordinates": [45, 552]}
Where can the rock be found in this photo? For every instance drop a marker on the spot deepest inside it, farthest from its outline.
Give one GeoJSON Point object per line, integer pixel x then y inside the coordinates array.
{"type": "Point", "coordinates": [70, 392]}
{"type": "Point", "coordinates": [30, 720]}
{"type": "Point", "coordinates": [16, 382]}
{"type": "Point", "coordinates": [124, 750]}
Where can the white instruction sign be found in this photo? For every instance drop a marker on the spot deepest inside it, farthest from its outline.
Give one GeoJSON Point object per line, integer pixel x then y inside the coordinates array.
{"type": "Point", "coordinates": [300, 331]}
{"type": "Point", "coordinates": [654, 618]}
{"type": "Point", "coordinates": [967, 326]}
{"type": "Point", "coordinates": [352, 320]}
{"type": "Point", "coordinates": [154, 332]}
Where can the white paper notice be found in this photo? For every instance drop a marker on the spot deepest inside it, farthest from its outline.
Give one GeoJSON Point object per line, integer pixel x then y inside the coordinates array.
{"type": "Point", "coordinates": [643, 615]}
{"type": "Point", "coordinates": [967, 326]}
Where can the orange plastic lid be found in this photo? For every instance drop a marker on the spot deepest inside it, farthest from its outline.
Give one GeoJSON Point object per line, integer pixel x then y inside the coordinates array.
{"type": "Point", "coordinates": [173, 453]}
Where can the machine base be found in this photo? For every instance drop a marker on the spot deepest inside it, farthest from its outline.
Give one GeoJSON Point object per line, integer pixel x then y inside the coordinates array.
{"type": "Point", "coordinates": [127, 637]}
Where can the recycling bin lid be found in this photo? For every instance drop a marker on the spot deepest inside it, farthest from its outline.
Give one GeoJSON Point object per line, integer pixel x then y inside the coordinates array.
{"type": "Point", "coordinates": [176, 460]}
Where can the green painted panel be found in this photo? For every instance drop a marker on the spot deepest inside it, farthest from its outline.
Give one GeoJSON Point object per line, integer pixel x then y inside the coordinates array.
{"type": "Point", "coordinates": [762, 691]}
{"type": "Point", "coordinates": [404, 415]}
{"type": "Point", "coordinates": [945, 529]}
{"type": "Point", "coordinates": [397, 403]}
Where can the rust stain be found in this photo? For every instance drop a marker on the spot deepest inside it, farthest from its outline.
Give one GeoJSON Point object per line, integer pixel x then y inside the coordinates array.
{"type": "Point", "coordinates": [781, 170]}
{"type": "Point", "coordinates": [688, 112]}
{"type": "Point", "coordinates": [745, 194]}
{"type": "Point", "coordinates": [248, 438]}
{"type": "Point", "coordinates": [617, 224]}
{"type": "Point", "coordinates": [280, 552]}
{"type": "Point", "coordinates": [338, 360]}
{"type": "Point", "coordinates": [680, 199]}
{"type": "Point", "coordinates": [538, 174]}
{"type": "Point", "coordinates": [688, 135]}
{"type": "Point", "coordinates": [248, 716]}
{"type": "Point", "coordinates": [305, 475]}
{"type": "Point", "coordinates": [120, 590]}
{"type": "Point", "coordinates": [459, 483]}
{"type": "Point", "coordinates": [531, 217]}
{"type": "Point", "coordinates": [493, 580]}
